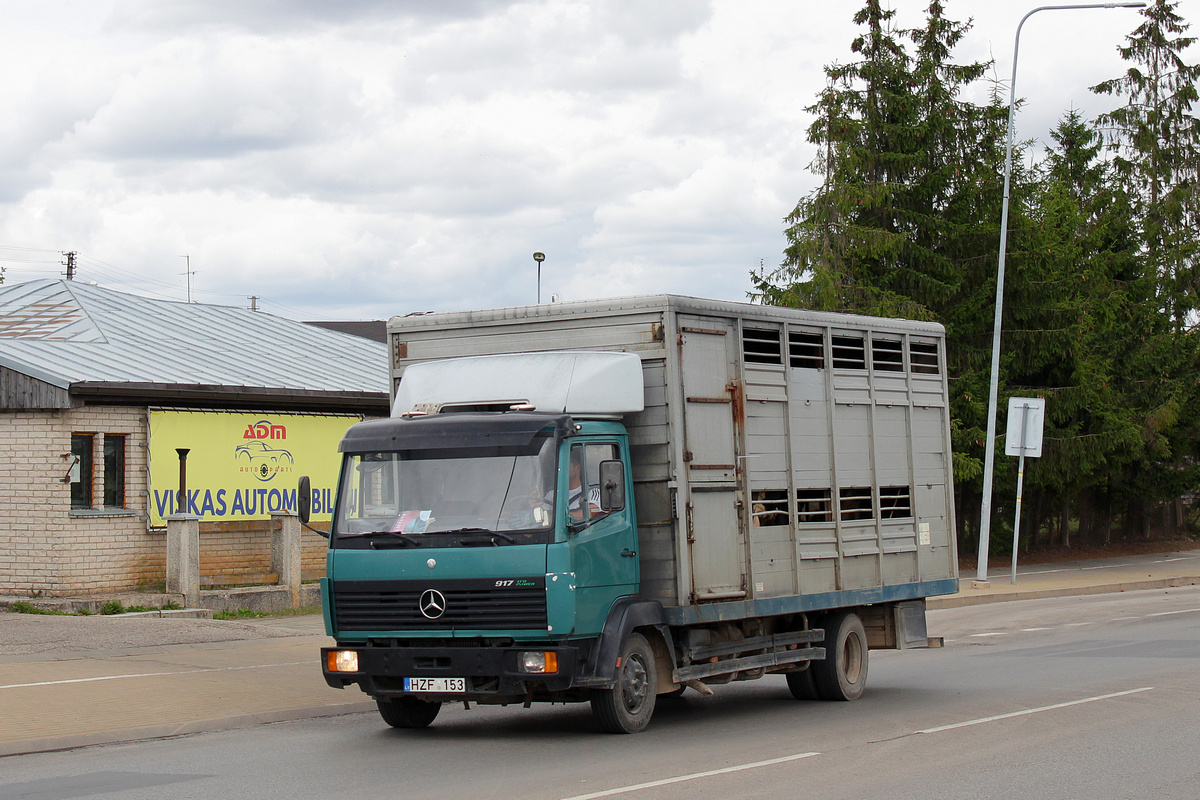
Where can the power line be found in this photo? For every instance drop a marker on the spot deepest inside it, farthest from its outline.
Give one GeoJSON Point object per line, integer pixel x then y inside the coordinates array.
{"type": "Point", "coordinates": [264, 301]}
{"type": "Point", "coordinates": [28, 249]}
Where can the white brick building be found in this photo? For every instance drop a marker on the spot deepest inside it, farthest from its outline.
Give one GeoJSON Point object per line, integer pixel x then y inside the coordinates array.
{"type": "Point", "coordinates": [82, 370]}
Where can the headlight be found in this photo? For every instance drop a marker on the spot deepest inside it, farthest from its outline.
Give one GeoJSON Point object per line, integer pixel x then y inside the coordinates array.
{"type": "Point", "coordinates": [342, 660]}
{"type": "Point", "coordinates": [537, 661]}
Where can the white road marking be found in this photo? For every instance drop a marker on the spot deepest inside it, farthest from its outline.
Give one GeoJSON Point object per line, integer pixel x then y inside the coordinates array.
{"type": "Point", "coordinates": [150, 675]}
{"type": "Point", "coordinates": [1077, 624]}
{"type": "Point", "coordinates": [996, 633]}
{"type": "Point", "coordinates": [1030, 630]}
{"type": "Point", "coordinates": [695, 775]}
{"type": "Point", "coordinates": [1028, 711]}
{"type": "Point", "coordinates": [1169, 613]}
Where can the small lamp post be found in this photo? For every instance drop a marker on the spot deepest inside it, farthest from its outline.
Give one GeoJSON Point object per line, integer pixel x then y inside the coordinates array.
{"type": "Point", "coordinates": [539, 258]}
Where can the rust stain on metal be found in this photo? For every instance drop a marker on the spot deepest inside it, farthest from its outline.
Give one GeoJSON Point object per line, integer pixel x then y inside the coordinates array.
{"type": "Point", "coordinates": [738, 404]}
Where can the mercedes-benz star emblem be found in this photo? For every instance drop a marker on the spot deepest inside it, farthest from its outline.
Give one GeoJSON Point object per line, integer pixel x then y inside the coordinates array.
{"type": "Point", "coordinates": [432, 604]}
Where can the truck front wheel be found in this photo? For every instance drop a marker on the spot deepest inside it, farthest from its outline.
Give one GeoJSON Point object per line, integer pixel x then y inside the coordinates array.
{"type": "Point", "coordinates": [627, 706]}
{"type": "Point", "coordinates": [843, 673]}
{"type": "Point", "coordinates": [407, 712]}
{"type": "Point", "coordinates": [801, 684]}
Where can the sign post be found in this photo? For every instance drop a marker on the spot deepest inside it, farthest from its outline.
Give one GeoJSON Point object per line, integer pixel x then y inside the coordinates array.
{"type": "Point", "coordinates": [1026, 419]}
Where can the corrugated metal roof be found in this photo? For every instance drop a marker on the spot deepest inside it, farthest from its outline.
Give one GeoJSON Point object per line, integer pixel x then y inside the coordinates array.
{"type": "Point", "coordinates": [64, 332]}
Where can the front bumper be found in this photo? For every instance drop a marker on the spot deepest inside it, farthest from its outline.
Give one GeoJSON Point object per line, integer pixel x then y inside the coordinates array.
{"type": "Point", "coordinates": [491, 672]}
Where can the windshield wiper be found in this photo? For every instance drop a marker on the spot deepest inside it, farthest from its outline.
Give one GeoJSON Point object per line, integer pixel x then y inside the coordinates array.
{"type": "Point", "coordinates": [404, 539]}
{"type": "Point", "coordinates": [492, 535]}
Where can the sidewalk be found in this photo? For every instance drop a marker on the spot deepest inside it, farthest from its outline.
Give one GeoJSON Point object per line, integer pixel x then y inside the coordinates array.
{"type": "Point", "coordinates": [1069, 578]}
{"type": "Point", "coordinates": [74, 681]}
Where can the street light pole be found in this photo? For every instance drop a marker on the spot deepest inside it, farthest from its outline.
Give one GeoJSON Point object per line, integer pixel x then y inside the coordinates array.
{"type": "Point", "coordinates": [989, 459]}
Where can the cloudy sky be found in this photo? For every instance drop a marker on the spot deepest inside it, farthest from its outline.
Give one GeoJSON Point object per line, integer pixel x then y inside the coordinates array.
{"type": "Point", "coordinates": [363, 158]}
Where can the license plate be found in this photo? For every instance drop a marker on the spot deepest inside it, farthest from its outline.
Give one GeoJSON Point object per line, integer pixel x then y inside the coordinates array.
{"type": "Point", "coordinates": [458, 685]}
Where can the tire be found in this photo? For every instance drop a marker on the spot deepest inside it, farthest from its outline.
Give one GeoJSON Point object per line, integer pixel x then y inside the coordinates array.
{"type": "Point", "coordinates": [408, 712]}
{"type": "Point", "coordinates": [628, 706]}
{"type": "Point", "coordinates": [801, 684]}
{"type": "Point", "coordinates": [843, 673]}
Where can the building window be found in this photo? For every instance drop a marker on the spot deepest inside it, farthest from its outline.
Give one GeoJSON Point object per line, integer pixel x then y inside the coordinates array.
{"type": "Point", "coordinates": [84, 466]}
{"type": "Point", "coordinates": [81, 470]}
{"type": "Point", "coordinates": [114, 471]}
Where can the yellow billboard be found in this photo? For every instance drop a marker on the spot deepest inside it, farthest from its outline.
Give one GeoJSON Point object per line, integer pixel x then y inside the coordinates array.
{"type": "Point", "coordinates": [243, 466]}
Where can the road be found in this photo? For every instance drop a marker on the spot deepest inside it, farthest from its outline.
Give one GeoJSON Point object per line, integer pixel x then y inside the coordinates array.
{"type": "Point", "coordinates": [1095, 697]}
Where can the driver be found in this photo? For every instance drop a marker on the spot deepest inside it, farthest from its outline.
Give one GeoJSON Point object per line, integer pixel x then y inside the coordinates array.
{"type": "Point", "coordinates": [575, 495]}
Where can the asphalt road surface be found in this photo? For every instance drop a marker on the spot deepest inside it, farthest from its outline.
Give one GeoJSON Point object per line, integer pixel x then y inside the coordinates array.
{"type": "Point", "coordinates": [1088, 697]}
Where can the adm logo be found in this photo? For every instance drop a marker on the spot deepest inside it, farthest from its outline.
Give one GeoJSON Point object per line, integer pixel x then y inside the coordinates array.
{"type": "Point", "coordinates": [258, 457]}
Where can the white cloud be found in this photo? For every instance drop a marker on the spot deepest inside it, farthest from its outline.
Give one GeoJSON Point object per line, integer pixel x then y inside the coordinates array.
{"type": "Point", "coordinates": [361, 159]}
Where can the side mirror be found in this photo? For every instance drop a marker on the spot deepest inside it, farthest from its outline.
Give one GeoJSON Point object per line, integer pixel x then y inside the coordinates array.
{"type": "Point", "coordinates": [612, 485]}
{"type": "Point", "coordinates": [304, 499]}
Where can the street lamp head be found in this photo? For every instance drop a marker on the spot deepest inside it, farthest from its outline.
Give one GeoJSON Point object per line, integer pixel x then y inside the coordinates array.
{"type": "Point", "coordinates": [539, 257]}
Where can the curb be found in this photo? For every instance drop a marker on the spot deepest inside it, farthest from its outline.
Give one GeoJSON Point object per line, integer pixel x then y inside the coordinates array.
{"type": "Point", "coordinates": [169, 613]}
{"type": "Point", "coordinates": [78, 740]}
{"type": "Point", "coordinates": [960, 600]}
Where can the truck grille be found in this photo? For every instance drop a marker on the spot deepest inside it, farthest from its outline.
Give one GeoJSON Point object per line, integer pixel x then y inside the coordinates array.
{"type": "Point", "coordinates": [463, 605]}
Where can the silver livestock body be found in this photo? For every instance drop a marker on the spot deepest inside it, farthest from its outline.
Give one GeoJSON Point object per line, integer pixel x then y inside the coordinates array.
{"type": "Point", "coordinates": [784, 461]}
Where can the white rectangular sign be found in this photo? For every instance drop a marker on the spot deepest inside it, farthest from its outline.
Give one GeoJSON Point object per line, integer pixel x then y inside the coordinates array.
{"type": "Point", "coordinates": [1032, 412]}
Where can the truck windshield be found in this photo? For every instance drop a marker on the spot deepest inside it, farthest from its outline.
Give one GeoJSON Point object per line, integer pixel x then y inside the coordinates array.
{"type": "Point", "coordinates": [466, 493]}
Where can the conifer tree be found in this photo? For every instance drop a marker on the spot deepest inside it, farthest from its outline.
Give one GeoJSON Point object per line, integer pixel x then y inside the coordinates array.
{"type": "Point", "coordinates": [1154, 139]}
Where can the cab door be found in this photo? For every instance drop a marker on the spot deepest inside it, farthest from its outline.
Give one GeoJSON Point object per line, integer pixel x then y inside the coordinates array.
{"type": "Point", "coordinates": [603, 544]}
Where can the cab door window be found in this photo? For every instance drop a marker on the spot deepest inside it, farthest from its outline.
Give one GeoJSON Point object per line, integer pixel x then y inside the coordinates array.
{"type": "Point", "coordinates": [583, 483]}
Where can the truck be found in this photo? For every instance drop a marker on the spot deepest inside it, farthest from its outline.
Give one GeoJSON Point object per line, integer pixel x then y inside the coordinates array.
{"type": "Point", "coordinates": [615, 501]}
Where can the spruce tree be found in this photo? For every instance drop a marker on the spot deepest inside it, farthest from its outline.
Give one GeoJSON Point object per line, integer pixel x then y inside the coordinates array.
{"type": "Point", "coordinates": [844, 234]}
{"type": "Point", "coordinates": [1155, 139]}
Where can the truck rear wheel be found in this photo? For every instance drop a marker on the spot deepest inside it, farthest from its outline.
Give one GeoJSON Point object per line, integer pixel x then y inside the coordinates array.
{"type": "Point", "coordinates": [843, 673]}
{"type": "Point", "coordinates": [408, 712]}
{"type": "Point", "coordinates": [627, 706]}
